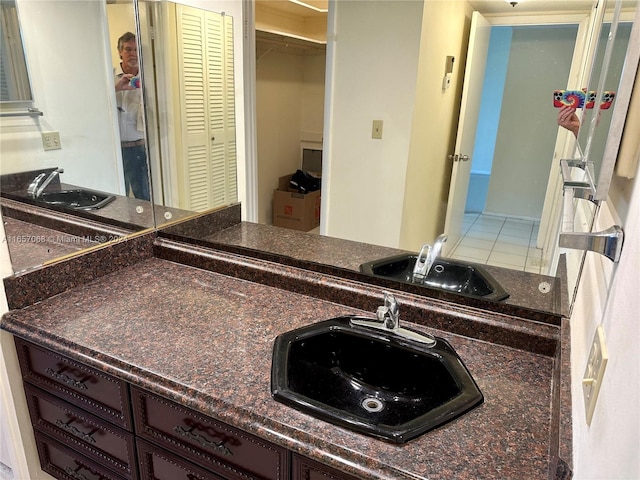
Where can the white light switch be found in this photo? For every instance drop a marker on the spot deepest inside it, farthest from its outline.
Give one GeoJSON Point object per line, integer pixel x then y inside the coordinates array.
{"type": "Point", "coordinates": [376, 131]}
{"type": "Point", "coordinates": [593, 373]}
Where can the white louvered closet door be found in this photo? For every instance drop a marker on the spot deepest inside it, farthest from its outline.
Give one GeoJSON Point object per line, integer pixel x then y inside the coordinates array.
{"type": "Point", "coordinates": [208, 163]}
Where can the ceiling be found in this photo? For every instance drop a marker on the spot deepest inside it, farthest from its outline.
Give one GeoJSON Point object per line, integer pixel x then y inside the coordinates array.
{"type": "Point", "coordinates": [496, 7]}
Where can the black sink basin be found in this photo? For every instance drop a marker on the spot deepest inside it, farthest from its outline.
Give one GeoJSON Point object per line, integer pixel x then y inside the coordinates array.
{"type": "Point", "coordinates": [78, 199]}
{"type": "Point", "coordinates": [445, 274]}
{"type": "Point", "coordinates": [371, 381]}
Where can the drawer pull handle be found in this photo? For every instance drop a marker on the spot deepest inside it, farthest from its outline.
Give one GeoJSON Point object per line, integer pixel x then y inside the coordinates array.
{"type": "Point", "coordinates": [74, 431]}
{"type": "Point", "coordinates": [205, 442]}
{"type": "Point", "coordinates": [75, 474]}
{"type": "Point", "coordinates": [66, 379]}
{"type": "Point", "coordinates": [79, 476]}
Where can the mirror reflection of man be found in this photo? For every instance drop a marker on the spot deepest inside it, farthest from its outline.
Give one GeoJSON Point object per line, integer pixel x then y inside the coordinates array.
{"type": "Point", "coordinates": [131, 119]}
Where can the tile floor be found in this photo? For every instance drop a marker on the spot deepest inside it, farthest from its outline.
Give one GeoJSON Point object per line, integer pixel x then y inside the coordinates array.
{"type": "Point", "coordinates": [500, 241]}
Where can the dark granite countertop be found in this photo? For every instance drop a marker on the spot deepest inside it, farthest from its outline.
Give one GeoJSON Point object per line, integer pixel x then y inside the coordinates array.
{"type": "Point", "coordinates": [204, 339]}
{"type": "Point", "coordinates": [523, 287]}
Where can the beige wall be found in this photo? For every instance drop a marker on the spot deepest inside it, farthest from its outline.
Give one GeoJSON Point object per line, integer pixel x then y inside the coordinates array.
{"type": "Point", "coordinates": [445, 31]}
{"type": "Point", "coordinates": [608, 295]}
{"type": "Point", "coordinates": [289, 106]}
{"type": "Point", "coordinates": [371, 79]}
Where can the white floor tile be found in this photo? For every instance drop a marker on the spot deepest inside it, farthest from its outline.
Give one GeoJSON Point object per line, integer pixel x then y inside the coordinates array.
{"type": "Point", "coordinates": [485, 244]}
{"type": "Point", "coordinates": [508, 259]}
{"type": "Point", "coordinates": [482, 235]}
{"type": "Point", "coordinates": [517, 221]}
{"type": "Point", "coordinates": [513, 240]}
{"type": "Point", "coordinates": [479, 255]}
{"type": "Point", "coordinates": [511, 248]}
{"type": "Point", "coordinates": [517, 231]}
{"type": "Point", "coordinates": [534, 252]}
{"type": "Point", "coordinates": [485, 228]}
{"type": "Point", "coordinates": [466, 259]}
{"type": "Point", "coordinates": [534, 262]}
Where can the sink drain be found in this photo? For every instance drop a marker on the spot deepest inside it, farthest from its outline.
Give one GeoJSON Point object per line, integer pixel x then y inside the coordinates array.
{"type": "Point", "coordinates": [372, 404]}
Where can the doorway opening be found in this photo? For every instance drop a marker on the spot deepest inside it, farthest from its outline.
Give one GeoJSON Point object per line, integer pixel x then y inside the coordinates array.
{"type": "Point", "coordinates": [514, 143]}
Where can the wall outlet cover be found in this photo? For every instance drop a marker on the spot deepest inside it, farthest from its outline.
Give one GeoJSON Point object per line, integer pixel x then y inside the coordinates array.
{"type": "Point", "coordinates": [51, 140]}
{"type": "Point", "coordinates": [594, 372]}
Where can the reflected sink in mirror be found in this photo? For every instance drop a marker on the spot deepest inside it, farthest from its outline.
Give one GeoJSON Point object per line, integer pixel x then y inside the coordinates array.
{"type": "Point", "coordinates": [78, 199]}
{"type": "Point", "coordinates": [445, 274]}
{"type": "Point", "coordinates": [371, 381]}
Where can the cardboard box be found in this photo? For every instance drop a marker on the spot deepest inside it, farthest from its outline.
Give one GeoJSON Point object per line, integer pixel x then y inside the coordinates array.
{"type": "Point", "coordinates": [291, 209]}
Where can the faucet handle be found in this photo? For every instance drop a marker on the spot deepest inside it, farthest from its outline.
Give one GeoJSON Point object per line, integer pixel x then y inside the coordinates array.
{"type": "Point", "coordinates": [33, 186]}
{"type": "Point", "coordinates": [421, 267]}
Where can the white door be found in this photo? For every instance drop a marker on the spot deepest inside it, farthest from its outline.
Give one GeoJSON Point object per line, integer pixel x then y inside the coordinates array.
{"type": "Point", "coordinates": [207, 162]}
{"type": "Point", "coordinates": [467, 123]}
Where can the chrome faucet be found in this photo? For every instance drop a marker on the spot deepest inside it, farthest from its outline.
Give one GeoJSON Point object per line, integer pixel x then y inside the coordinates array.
{"type": "Point", "coordinates": [388, 321]}
{"type": "Point", "coordinates": [36, 188]}
{"type": "Point", "coordinates": [389, 313]}
{"type": "Point", "coordinates": [426, 258]}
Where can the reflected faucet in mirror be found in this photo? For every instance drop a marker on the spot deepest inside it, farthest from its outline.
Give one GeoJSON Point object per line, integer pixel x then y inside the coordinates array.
{"type": "Point", "coordinates": [36, 188]}
{"type": "Point", "coordinates": [426, 259]}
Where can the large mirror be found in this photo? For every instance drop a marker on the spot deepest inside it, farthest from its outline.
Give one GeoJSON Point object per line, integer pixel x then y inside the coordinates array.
{"type": "Point", "coordinates": [84, 152]}
{"type": "Point", "coordinates": [395, 192]}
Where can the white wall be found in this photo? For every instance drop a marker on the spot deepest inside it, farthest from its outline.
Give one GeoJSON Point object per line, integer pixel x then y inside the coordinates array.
{"type": "Point", "coordinates": [369, 78]}
{"type": "Point", "coordinates": [65, 44]}
{"type": "Point", "coordinates": [608, 295]}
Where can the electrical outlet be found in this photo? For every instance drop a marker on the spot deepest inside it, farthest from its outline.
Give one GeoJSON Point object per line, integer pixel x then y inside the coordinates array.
{"type": "Point", "coordinates": [376, 130]}
{"type": "Point", "coordinates": [51, 140]}
{"type": "Point", "coordinates": [593, 373]}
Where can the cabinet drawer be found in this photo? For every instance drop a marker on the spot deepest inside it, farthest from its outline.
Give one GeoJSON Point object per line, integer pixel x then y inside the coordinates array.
{"type": "Point", "coordinates": [100, 441]}
{"type": "Point", "coordinates": [91, 389]}
{"type": "Point", "coordinates": [306, 469]}
{"type": "Point", "coordinates": [67, 464]}
{"type": "Point", "coordinates": [218, 447]}
{"type": "Point", "coordinates": [158, 464]}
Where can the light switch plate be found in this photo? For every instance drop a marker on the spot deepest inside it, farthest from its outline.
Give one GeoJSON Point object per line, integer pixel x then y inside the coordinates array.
{"type": "Point", "coordinates": [376, 130]}
{"type": "Point", "coordinates": [594, 372]}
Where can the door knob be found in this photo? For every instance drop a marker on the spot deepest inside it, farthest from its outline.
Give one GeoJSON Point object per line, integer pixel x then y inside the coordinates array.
{"type": "Point", "coordinates": [464, 158]}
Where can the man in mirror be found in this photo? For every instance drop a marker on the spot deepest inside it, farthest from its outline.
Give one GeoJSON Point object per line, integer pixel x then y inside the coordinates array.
{"type": "Point", "coordinates": [131, 119]}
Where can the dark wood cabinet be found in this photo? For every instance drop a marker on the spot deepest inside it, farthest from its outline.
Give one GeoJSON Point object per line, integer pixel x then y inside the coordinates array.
{"type": "Point", "coordinates": [65, 463]}
{"type": "Point", "coordinates": [94, 391]}
{"type": "Point", "coordinates": [158, 464]}
{"type": "Point", "coordinates": [306, 469]}
{"type": "Point", "coordinates": [218, 447]}
{"type": "Point", "coordinates": [84, 420]}
{"type": "Point", "coordinates": [94, 438]}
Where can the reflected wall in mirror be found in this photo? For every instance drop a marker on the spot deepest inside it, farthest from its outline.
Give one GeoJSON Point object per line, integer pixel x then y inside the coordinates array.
{"type": "Point", "coordinates": [14, 75]}
{"type": "Point", "coordinates": [69, 52]}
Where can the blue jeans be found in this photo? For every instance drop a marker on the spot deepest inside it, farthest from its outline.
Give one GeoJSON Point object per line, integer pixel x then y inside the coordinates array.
{"type": "Point", "coordinates": [136, 176]}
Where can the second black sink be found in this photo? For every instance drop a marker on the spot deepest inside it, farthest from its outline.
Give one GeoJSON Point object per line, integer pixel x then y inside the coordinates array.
{"type": "Point", "coordinates": [77, 199]}
{"type": "Point", "coordinates": [445, 274]}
